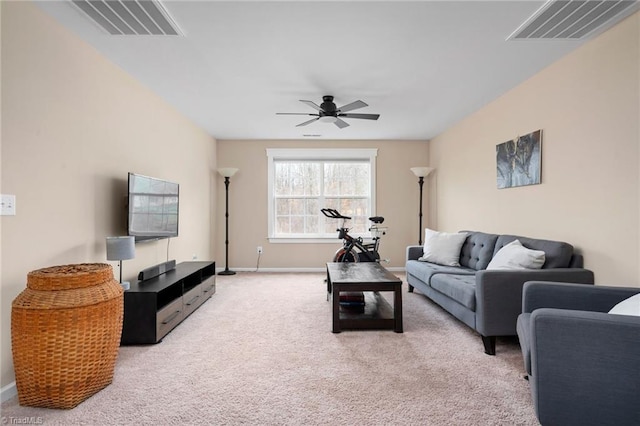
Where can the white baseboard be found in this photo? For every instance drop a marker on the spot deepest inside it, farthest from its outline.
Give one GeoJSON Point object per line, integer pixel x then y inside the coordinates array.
{"type": "Point", "coordinates": [392, 269]}
{"type": "Point", "coordinates": [279, 269]}
{"type": "Point", "coordinates": [8, 392]}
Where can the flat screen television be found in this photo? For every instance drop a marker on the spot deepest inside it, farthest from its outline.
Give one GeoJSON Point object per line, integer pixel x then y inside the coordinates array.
{"type": "Point", "coordinates": [153, 208]}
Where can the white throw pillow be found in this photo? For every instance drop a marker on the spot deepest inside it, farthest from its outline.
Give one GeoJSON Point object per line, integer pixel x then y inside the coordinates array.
{"type": "Point", "coordinates": [442, 248]}
{"type": "Point", "coordinates": [630, 306]}
{"type": "Point", "coordinates": [516, 256]}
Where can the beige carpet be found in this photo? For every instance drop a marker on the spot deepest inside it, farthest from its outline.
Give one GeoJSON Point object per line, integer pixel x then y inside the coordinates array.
{"type": "Point", "coordinates": [261, 352]}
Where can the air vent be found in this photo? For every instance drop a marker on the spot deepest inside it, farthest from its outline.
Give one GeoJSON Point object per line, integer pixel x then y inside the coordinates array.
{"type": "Point", "coordinates": [573, 19]}
{"type": "Point", "coordinates": [129, 17]}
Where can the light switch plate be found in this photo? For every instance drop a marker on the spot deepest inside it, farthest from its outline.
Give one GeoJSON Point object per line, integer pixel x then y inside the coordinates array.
{"type": "Point", "coordinates": [7, 205]}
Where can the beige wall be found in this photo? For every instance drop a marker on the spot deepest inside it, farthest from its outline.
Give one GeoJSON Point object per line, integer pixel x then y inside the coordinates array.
{"type": "Point", "coordinates": [397, 200]}
{"type": "Point", "coordinates": [73, 125]}
{"type": "Point", "coordinates": [587, 105]}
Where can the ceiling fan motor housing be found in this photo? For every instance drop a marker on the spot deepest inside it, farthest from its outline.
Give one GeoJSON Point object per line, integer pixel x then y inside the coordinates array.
{"type": "Point", "coordinates": [328, 107]}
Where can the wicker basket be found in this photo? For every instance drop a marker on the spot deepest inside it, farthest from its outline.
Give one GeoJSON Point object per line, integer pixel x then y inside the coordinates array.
{"type": "Point", "coordinates": [65, 334]}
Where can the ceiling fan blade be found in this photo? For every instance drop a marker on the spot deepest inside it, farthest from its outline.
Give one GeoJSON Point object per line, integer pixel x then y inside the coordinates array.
{"type": "Point", "coordinates": [312, 105]}
{"type": "Point", "coordinates": [364, 116]}
{"type": "Point", "coordinates": [341, 123]}
{"type": "Point", "coordinates": [352, 106]}
{"type": "Point", "coordinates": [296, 113]}
{"type": "Point", "coordinates": [308, 122]}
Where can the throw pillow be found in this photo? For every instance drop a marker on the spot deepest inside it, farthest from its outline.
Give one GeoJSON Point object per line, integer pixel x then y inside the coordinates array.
{"type": "Point", "coordinates": [630, 306]}
{"type": "Point", "coordinates": [516, 256]}
{"type": "Point", "coordinates": [442, 248]}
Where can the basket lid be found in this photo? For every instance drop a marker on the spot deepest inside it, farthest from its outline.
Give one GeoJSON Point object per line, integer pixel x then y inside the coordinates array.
{"type": "Point", "coordinates": [63, 277]}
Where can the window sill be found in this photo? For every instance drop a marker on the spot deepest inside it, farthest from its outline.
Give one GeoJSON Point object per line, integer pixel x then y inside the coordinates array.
{"type": "Point", "coordinates": [288, 240]}
{"type": "Point", "coordinates": [318, 240]}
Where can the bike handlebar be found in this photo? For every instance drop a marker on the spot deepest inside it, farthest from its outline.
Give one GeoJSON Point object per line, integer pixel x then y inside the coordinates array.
{"type": "Point", "coordinates": [333, 214]}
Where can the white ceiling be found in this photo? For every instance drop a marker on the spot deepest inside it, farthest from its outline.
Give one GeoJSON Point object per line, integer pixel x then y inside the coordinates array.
{"type": "Point", "coordinates": [422, 65]}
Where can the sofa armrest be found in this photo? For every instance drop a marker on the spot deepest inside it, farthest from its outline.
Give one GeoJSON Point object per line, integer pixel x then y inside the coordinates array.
{"type": "Point", "coordinates": [499, 295]}
{"type": "Point", "coordinates": [595, 353]}
{"type": "Point", "coordinates": [560, 295]}
{"type": "Point", "coordinates": [414, 252]}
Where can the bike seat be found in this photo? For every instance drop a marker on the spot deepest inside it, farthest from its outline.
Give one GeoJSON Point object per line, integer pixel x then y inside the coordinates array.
{"type": "Point", "coordinates": [377, 219]}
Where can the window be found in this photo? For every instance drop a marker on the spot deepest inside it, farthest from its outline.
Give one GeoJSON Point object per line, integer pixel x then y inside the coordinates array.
{"type": "Point", "coordinates": [303, 181]}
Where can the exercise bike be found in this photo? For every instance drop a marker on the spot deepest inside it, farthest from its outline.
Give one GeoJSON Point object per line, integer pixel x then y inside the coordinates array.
{"type": "Point", "coordinates": [353, 248]}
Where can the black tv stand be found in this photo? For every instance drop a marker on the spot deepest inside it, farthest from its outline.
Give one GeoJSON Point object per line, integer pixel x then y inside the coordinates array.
{"type": "Point", "coordinates": [155, 306]}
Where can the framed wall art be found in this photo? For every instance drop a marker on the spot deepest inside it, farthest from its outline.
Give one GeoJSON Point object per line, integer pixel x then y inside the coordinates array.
{"type": "Point", "coordinates": [518, 161]}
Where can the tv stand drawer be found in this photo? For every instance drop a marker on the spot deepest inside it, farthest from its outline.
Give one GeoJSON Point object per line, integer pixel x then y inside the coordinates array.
{"type": "Point", "coordinates": [208, 287]}
{"type": "Point", "coordinates": [191, 300]}
{"type": "Point", "coordinates": [168, 317]}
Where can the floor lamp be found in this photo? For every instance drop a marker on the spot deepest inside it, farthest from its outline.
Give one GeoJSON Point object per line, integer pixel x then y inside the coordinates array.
{"type": "Point", "coordinates": [227, 172]}
{"type": "Point", "coordinates": [421, 172]}
{"type": "Point", "coordinates": [121, 248]}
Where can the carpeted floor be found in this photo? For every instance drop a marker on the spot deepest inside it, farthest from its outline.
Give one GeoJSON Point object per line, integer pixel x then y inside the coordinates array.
{"type": "Point", "coordinates": [261, 352]}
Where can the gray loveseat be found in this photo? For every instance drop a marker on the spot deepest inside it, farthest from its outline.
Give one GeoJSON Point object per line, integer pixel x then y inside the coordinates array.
{"type": "Point", "coordinates": [489, 301]}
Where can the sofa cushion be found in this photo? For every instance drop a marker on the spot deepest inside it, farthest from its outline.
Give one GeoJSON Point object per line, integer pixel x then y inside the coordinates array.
{"type": "Point", "coordinates": [442, 248]}
{"type": "Point", "coordinates": [425, 270]}
{"type": "Point", "coordinates": [515, 256]}
{"type": "Point", "coordinates": [477, 250]}
{"type": "Point", "coordinates": [461, 288]}
{"type": "Point", "coordinates": [557, 253]}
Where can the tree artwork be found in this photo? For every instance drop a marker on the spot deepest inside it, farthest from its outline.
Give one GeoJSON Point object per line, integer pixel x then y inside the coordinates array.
{"type": "Point", "coordinates": [518, 161]}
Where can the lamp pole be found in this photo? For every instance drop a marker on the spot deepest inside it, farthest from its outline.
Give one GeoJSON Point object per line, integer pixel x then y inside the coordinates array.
{"type": "Point", "coordinates": [420, 182]}
{"type": "Point", "coordinates": [120, 267]}
{"type": "Point", "coordinates": [226, 271]}
{"type": "Point", "coordinates": [227, 173]}
{"type": "Point", "coordinates": [421, 173]}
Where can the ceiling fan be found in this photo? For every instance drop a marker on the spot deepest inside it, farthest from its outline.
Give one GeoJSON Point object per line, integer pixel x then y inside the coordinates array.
{"type": "Point", "coordinates": [328, 112]}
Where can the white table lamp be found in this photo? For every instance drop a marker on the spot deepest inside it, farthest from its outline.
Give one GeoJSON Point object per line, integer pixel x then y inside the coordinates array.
{"type": "Point", "coordinates": [121, 248]}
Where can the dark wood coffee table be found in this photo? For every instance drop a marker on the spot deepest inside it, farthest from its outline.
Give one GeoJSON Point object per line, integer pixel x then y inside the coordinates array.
{"type": "Point", "coordinates": [366, 277]}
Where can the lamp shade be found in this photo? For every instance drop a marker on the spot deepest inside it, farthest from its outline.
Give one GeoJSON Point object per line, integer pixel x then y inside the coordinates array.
{"type": "Point", "coordinates": [227, 171]}
{"type": "Point", "coordinates": [121, 248]}
{"type": "Point", "coordinates": [421, 171]}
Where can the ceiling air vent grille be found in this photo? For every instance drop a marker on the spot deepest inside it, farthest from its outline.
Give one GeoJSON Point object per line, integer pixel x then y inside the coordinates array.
{"type": "Point", "coordinates": [129, 17]}
{"type": "Point", "coordinates": [573, 19]}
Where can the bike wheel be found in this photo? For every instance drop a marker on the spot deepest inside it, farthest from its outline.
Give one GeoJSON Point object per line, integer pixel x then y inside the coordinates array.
{"type": "Point", "coordinates": [343, 255]}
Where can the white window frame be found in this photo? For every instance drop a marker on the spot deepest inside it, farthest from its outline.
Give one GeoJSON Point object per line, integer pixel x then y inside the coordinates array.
{"type": "Point", "coordinates": [315, 154]}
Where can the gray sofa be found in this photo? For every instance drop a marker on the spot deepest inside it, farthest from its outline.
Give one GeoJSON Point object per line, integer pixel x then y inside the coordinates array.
{"type": "Point", "coordinates": [582, 362]}
{"type": "Point", "coordinates": [489, 301]}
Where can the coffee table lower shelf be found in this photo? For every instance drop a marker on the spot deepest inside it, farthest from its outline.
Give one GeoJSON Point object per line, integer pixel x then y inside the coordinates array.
{"type": "Point", "coordinates": [377, 315]}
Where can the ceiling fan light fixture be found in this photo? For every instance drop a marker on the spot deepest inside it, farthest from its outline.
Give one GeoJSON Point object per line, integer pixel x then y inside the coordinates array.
{"type": "Point", "coordinates": [328, 119]}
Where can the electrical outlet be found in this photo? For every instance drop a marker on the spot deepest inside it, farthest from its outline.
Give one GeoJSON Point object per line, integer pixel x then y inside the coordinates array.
{"type": "Point", "coordinates": [8, 204]}
{"type": "Point", "coordinates": [259, 248]}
